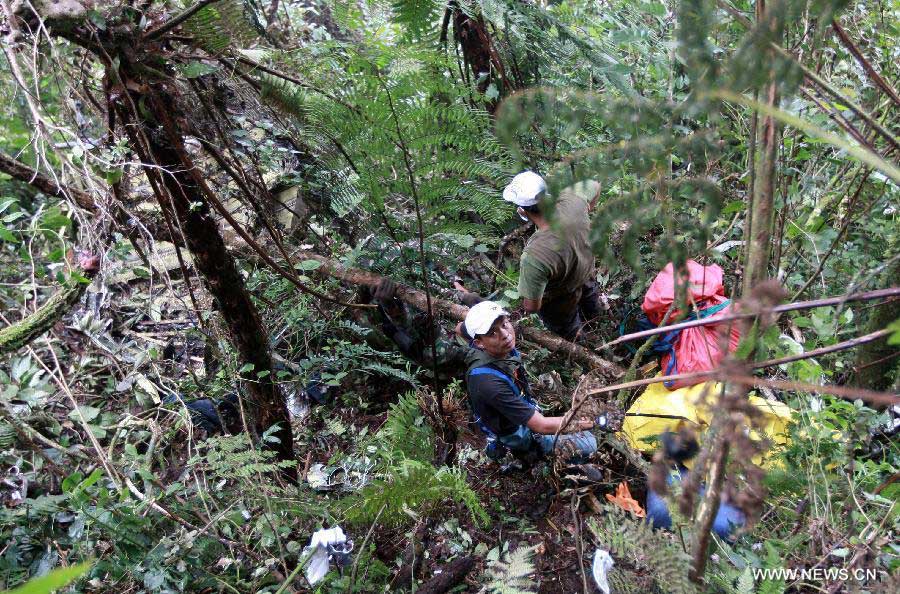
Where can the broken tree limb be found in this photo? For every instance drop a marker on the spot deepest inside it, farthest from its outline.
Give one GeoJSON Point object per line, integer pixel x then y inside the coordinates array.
{"type": "Point", "coordinates": [26, 174]}
{"type": "Point", "coordinates": [24, 331]}
{"type": "Point", "coordinates": [418, 300]}
{"type": "Point", "coordinates": [451, 574]}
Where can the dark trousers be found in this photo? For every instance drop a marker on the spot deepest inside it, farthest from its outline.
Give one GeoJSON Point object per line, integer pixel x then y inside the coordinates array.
{"type": "Point", "coordinates": [567, 314]}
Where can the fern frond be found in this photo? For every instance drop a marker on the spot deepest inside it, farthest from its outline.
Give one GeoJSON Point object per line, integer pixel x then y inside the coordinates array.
{"type": "Point", "coordinates": [636, 541]}
{"type": "Point", "coordinates": [417, 17]}
{"type": "Point", "coordinates": [413, 489]}
{"type": "Point", "coordinates": [512, 574]}
{"type": "Point", "coordinates": [223, 25]}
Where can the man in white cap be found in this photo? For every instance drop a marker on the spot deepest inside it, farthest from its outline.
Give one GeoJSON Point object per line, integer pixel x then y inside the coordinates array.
{"type": "Point", "coordinates": [556, 270]}
{"type": "Point", "coordinates": [500, 397]}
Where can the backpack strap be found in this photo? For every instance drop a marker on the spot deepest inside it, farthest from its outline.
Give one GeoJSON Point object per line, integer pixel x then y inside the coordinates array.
{"type": "Point", "coordinates": [496, 373]}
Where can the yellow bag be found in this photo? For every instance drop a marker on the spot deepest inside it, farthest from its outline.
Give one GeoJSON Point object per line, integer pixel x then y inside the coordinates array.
{"type": "Point", "coordinates": [643, 432]}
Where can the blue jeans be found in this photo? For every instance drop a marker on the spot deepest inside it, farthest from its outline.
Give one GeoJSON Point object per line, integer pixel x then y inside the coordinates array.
{"type": "Point", "coordinates": [727, 518]}
{"type": "Point", "coordinates": [583, 442]}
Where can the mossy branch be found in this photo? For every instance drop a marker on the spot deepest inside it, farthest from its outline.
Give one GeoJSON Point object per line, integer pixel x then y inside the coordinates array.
{"type": "Point", "coordinates": [17, 335]}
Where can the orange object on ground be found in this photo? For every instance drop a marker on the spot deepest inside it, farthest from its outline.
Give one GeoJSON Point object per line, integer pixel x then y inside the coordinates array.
{"type": "Point", "coordinates": [700, 348]}
{"type": "Point", "coordinates": [624, 500]}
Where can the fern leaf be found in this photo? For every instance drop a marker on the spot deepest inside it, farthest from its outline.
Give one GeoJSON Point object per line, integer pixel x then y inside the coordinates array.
{"type": "Point", "coordinates": [512, 575]}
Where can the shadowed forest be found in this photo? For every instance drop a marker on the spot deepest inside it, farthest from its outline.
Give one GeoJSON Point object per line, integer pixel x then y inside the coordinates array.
{"type": "Point", "coordinates": [495, 296]}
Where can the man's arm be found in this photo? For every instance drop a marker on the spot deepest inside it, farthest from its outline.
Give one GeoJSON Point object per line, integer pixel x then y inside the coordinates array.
{"type": "Point", "coordinates": [533, 277]}
{"type": "Point", "coordinates": [550, 425]}
{"type": "Point", "coordinates": [531, 305]}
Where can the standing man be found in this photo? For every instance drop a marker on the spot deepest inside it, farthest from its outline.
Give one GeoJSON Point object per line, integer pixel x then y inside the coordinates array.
{"type": "Point", "coordinates": [556, 271]}
{"type": "Point", "coordinates": [500, 397]}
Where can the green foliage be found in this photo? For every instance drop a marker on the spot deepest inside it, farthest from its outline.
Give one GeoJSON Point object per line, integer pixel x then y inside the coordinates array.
{"type": "Point", "coordinates": [235, 457]}
{"type": "Point", "coordinates": [413, 488]}
{"type": "Point", "coordinates": [224, 25]}
{"type": "Point", "coordinates": [406, 432]}
{"type": "Point", "coordinates": [56, 579]}
{"type": "Point", "coordinates": [417, 17]}
{"type": "Point", "coordinates": [512, 574]}
{"type": "Point", "coordinates": [634, 541]}
{"type": "Point", "coordinates": [399, 131]}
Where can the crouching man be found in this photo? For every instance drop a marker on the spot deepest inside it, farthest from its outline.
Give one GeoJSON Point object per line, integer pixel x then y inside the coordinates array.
{"type": "Point", "coordinates": [500, 397]}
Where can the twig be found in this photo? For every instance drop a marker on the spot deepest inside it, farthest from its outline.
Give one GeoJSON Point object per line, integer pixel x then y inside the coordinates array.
{"type": "Point", "coordinates": [839, 300]}
{"type": "Point", "coordinates": [870, 396]}
{"type": "Point", "coordinates": [828, 88]}
{"type": "Point", "coordinates": [709, 507]}
{"type": "Point", "coordinates": [867, 66]}
{"type": "Point", "coordinates": [362, 548]}
{"type": "Point", "coordinates": [579, 543]}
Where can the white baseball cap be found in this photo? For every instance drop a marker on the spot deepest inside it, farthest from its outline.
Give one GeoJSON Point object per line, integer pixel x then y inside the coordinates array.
{"type": "Point", "coordinates": [481, 317]}
{"type": "Point", "coordinates": [525, 189]}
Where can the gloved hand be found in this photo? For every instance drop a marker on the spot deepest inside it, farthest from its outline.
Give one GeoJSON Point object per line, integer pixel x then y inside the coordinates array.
{"type": "Point", "coordinates": [386, 297]}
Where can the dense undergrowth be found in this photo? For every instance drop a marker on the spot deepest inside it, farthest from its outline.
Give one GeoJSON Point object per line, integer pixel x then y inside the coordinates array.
{"type": "Point", "coordinates": [365, 132]}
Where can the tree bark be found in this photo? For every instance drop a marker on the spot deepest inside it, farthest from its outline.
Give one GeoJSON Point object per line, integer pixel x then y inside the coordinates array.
{"type": "Point", "coordinates": [451, 574]}
{"type": "Point", "coordinates": [756, 266]}
{"type": "Point", "coordinates": [24, 173]}
{"type": "Point", "coordinates": [479, 52]}
{"type": "Point", "coordinates": [179, 189]}
{"type": "Point", "coordinates": [17, 335]}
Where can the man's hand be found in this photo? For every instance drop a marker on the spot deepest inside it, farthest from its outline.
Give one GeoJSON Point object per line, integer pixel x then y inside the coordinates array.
{"type": "Point", "coordinates": [467, 297]}
{"type": "Point", "coordinates": [386, 297]}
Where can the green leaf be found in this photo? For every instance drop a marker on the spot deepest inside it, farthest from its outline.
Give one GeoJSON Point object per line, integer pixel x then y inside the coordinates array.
{"type": "Point", "coordinates": [88, 413]}
{"type": "Point", "coordinates": [894, 327]}
{"type": "Point", "coordinates": [56, 579]}
{"type": "Point", "coordinates": [194, 69]}
{"type": "Point", "coordinates": [308, 265]}
{"type": "Point", "coordinates": [246, 367]}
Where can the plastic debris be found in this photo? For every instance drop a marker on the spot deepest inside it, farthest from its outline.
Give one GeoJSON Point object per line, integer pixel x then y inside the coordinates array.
{"type": "Point", "coordinates": [325, 546]}
{"type": "Point", "coordinates": [624, 500]}
{"type": "Point", "coordinates": [602, 564]}
{"type": "Point", "coordinates": [351, 475]}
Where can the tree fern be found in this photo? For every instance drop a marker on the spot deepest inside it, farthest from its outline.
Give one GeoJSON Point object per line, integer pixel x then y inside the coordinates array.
{"type": "Point", "coordinates": [392, 105]}
{"type": "Point", "coordinates": [405, 431]}
{"type": "Point", "coordinates": [417, 17]}
{"type": "Point", "coordinates": [512, 574]}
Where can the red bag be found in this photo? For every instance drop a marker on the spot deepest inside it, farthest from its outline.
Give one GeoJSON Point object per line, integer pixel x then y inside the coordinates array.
{"type": "Point", "coordinates": [699, 348]}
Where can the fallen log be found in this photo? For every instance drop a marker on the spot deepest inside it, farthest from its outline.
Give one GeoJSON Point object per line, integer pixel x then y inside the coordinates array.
{"type": "Point", "coordinates": [451, 574]}
{"type": "Point", "coordinates": [417, 299]}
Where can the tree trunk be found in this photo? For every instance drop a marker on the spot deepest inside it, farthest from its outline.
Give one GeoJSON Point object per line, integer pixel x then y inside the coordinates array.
{"type": "Point", "coordinates": [451, 574]}
{"type": "Point", "coordinates": [756, 266]}
{"type": "Point", "coordinates": [479, 53]}
{"type": "Point", "coordinates": [179, 188]}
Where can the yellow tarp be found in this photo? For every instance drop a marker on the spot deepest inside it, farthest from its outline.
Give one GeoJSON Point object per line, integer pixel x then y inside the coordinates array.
{"type": "Point", "coordinates": [641, 432]}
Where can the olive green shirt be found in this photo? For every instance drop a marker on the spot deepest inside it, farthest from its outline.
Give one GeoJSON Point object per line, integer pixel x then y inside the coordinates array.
{"type": "Point", "coordinates": [558, 260]}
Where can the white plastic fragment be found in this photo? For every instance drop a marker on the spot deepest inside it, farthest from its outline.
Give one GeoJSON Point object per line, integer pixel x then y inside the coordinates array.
{"type": "Point", "coordinates": [317, 566]}
{"type": "Point", "coordinates": [602, 564]}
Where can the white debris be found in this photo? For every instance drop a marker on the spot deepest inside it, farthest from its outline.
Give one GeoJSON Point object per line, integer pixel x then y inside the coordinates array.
{"type": "Point", "coordinates": [602, 564]}
{"type": "Point", "coordinates": [320, 546]}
